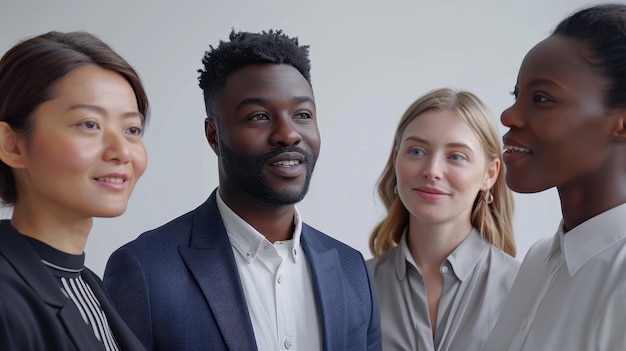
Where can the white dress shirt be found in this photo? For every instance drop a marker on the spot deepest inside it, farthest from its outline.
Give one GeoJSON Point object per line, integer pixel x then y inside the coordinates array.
{"type": "Point", "coordinates": [570, 293]}
{"type": "Point", "coordinates": [277, 283]}
{"type": "Point", "coordinates": [477, 277]}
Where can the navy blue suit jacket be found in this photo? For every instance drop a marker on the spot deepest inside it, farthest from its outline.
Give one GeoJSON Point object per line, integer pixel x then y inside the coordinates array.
{"type": "Point", "coordinates": [178, 288]}
{"type": "Point", "coordinates": [34, 312]}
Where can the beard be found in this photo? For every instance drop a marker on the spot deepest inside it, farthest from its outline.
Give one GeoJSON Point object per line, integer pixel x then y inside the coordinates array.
{"type": "Point", "coordinates": [245, 171]}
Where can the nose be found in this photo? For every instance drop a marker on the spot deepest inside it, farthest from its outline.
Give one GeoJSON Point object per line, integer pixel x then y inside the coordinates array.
{"type": "Point", "coordinates": [511, 117]}
{"type": "Point", "coordinates": [116, 147]}
{"type": "Point", "coordinates": [285, 132]}
{"type": "Point", "coordinates": [433, 169]}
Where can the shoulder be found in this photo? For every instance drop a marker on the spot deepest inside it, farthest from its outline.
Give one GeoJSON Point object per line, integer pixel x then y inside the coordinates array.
{"type": "Point", "coordinates": [539, 249]}
{"type": "Point", "coordinates": [10, 279]}
{"type": "Point", "coordinates": [10, 240]}
{"type": "Point", "coordinates": [499, 272]}
{"type": "Point", "coordinates": [17, 266]}
{"type": "Point", "coordinates": [173, 233]}
{"type": "Point", "coordinates": [387, 270]}
{"type": "Point", "coordinates": [317, 245]}
{"type": "Point", "coordinates": [181, 223]}
{"type": "Point", "coordinates": [531, 269]}
{"type": "Point", "coordinates": [383, 263]}
{"type": "Point", "coordinates": [502, 260]}
{"type": "Point", "coordinates": [322, 241]}
{"type": "Point", "coordinates": [536, 256]}
{"type": "Point", "coordinates": [18, 300]}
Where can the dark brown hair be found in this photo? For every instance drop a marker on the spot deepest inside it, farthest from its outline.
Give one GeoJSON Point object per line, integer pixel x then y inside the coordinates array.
{"type": "Point", "coordinates": [30, 71]}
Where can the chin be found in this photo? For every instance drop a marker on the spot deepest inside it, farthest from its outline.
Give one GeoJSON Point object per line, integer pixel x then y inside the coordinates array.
{"type": "Point", "coordinates": [523, 187]}
{"type": "Point", "coordinates": [110, 212]}
{"type": "Point", "coordinates": [286, 197]}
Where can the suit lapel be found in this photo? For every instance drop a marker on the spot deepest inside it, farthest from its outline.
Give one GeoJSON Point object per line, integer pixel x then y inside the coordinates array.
{"type": "Point", "coordinates": [328, 282]}
{"type": "Point", "coordinates": [210, 259]}
{"type": "Point", "coordinates": [79, 331]}
{"type": "Point", "coordinates": [122, 333]}
{"type": "Point", "coordinates": [26, 261]}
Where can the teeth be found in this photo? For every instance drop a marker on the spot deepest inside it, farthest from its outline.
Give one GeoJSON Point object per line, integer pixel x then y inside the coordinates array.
{"type": "Point", "coordinates": [287, 163]}
{"type": "Point", "coordinates": [111, 180]}
{"type": "Point", "coordinates": [508, 148]}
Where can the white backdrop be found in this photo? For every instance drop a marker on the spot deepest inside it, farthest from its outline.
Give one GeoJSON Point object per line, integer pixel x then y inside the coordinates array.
{"type": "Point", "coordinates": [370, 60]}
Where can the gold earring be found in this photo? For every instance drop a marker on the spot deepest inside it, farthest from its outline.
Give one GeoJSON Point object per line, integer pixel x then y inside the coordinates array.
{"type": "Point", "coordinates": [488, 197]}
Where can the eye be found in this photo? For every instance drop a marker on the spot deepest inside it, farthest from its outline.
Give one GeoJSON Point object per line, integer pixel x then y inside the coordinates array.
{"type": "Point", "coordinates": [91, 125]}
{"type": "Point", "coordinates": [135, 131]}
{"type": "Point", "coordinates": [416, 152]}
{"type": "Point", "coordinates": [540, 98]}
{"type": "Point", "coordinates": [514, 92]}
{"type": "Point", "coordinates": [260, 117]}
{"type": "Point", "coordinates": [458, 157]}
{"type": "Point", "coordinates": [302, 115]}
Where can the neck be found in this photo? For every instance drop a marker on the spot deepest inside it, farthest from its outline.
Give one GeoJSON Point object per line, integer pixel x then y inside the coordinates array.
{"type": "Point", "coordinates": [275, 222]}
{"type": "Point", "coordinates": [63, 234]}
{"type": "Point", "coordinates": [430, 244]}
{"type": "Point", "coordinates": [590, 197]}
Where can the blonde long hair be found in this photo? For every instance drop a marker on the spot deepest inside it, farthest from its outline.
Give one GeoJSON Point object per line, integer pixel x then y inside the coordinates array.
{"type": "Point", "coordinates": [493, 221]}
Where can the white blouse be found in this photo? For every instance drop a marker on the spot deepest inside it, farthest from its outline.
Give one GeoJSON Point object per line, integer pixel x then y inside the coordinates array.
{"type": "Point", "coordinates": [570, 293]}
{"type": "Point", "coordinates": [476, 280]}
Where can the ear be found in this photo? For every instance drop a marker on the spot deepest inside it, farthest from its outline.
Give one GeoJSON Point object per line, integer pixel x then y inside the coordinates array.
{"type": "Point", "coordinates": [394, 155]}
{"type": "Point", "coordinates": [491, 175]}
{"type": "Point", "coordinates": [619, 131]}
{"type": "Point", "coordinates": [210, 131]}
{"type": "Point", "coordinates": [11, 147]}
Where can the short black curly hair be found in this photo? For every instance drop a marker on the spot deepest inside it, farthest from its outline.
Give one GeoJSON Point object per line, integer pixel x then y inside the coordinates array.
{"type": "Point", "coordinates": [245, 48]}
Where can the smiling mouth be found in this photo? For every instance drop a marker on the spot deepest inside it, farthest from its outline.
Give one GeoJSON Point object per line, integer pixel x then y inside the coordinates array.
{"type": "Point", "coordinates": [287, 163]}
{"type": "Point", "coordinates": [110, 180]}
{"type": "Point", "coordinates": [511, 149]}
{"type": "Point", "coordinates": [431, 192]}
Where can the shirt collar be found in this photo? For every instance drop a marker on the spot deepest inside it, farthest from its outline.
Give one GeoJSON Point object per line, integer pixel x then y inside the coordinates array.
{"type": "Point", "coordinates": [248, 241]}
{"type": "Point", "coordinates": [462, 260]}
{"type": "Point", "coordinates": [466, 256]}
{"type": "Point", "coordinates": [588, 239]}
{"type": "Point", "coordinates": [58, 260]}
{"type": "Point", "coordinates": [403, 257]}
{"type": "Point", "coordinates": [557, 243]}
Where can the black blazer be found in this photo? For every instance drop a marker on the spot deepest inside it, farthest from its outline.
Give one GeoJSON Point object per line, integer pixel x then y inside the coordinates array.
{"type": "Point", "coordinates": [34, 312]}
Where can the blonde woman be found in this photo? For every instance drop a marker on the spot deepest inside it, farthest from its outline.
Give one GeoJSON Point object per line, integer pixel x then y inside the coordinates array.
{"type": "Point", "coordinates": [444, 256]}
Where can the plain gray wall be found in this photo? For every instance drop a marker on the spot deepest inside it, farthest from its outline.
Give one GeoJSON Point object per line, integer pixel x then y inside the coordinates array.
{"type": "Point", "coordinates": [370, 60]}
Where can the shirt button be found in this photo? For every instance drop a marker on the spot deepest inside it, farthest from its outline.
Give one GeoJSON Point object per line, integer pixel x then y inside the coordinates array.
{"type": "Point", "coordinates": [249, 253]}
{"type": "Point", "coordinates": [280, 281]}
{"type": "Point", "coordinates": [444, 269]}
{"type": "Point", "coordinates": [288, 344]}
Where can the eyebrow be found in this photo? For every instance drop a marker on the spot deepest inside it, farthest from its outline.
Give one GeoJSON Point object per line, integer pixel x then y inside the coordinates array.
{"type": "Point", "coordinates": [102, 111]}
{"type": "Point", "coordinates": [543, 81]}
{"type": "Point", "coordinates": [263, 102]}
{"type": "Point", "coordinates": [454, 145]}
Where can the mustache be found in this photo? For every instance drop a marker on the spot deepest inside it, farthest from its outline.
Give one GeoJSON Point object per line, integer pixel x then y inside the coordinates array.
{"type": "Point", "coordinates": [263, 159]}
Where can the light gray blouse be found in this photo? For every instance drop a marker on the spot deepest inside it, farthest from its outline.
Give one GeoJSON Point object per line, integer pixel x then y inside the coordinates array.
{"type": "Point", "coordinates": [476, 281]}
